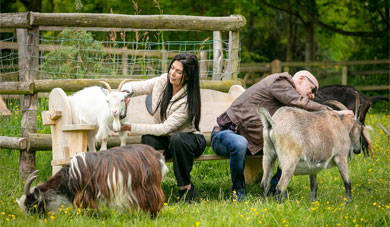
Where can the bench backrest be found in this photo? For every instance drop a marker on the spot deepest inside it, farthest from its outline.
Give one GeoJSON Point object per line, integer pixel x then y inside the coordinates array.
{"type": "Point", "coordinates": [213, 104]}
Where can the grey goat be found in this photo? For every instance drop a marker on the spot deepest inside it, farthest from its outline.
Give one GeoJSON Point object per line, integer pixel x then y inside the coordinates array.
{"type": "Point", "coordinates": [306, 143]}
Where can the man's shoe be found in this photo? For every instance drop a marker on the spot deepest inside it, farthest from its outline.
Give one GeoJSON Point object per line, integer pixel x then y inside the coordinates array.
{"type": "Point", "coordinates": [189, 195]}
{"type": "Point", "coordinates": [238, 196]}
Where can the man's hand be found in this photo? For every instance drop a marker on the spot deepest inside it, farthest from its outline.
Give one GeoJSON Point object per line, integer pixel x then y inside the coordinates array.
{"type": "Point", "coordinates": [125, 127]}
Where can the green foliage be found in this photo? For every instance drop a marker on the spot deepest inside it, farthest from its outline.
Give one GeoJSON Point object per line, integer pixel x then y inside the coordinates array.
{"type": "Point", "coordinates": [77, 56]}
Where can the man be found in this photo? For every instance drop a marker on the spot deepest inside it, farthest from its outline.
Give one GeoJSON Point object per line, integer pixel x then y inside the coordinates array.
{"type": "Point", "coordinates": [239, 130]}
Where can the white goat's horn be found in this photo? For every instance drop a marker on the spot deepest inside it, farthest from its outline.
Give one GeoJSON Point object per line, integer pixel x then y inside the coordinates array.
{"type": "Point", "coordinates": [122, 83]}
{"type": "Point", "coordinates": [337, 103]}
{"type": "Point", "coordinates": [107, 85]}
{"type": "Point", "coordinates": [29, 180]}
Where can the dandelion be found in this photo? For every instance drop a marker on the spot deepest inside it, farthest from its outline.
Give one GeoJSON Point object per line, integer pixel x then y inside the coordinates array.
{"type": "Point", "coordinates": [374, 204]}
{"type": "Point", "coordinates": [241, 215]}
{"type": "Point", "coordinates": [246, 203]}
{"type": "Point", "coordinates": [234, 200]}
{"type": "Point", "coordinates": [197, 223]}
{"type": "Point", "coordinates": [248, 218]}
{"type": "Point", "coordinates": [102, 222]}
{"type": "Point", "coordinates": [260, 222]}
{"type": "Point", "coordinates": [165, 204]}
{"type": "Point", "coordinates": [52, 217]}
{"type": "Point", "coordinates": [265, 209]}
{"type": "Point", "coordinates": [283, 221]}
{"type": "Point", "coordinates": [2, 213]}
{"type": "Point", "coordinates": [7, 219]}
{"type": "Point", "coordinates": [45, 220]}
{"type": "Point", "coordinates": [338, 224]}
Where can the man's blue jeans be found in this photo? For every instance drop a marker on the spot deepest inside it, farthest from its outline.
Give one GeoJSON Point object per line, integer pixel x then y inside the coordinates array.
{"type": "Point", "coordinates": [227, 143]}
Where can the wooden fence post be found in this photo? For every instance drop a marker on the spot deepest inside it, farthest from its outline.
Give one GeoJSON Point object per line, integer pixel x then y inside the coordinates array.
{"type": "Point", "coordinates": [164, 61]}
{"type": "Point", "coordinates": [233, 55]}
{"type": "Point", "coordinates": [125, 63]}
{"type": "Point", "coordinates": [28, 54]}
{"type": "Point", "coordinates": [217, 55]}
{"type": "Point", "coordinates": [203, 65]}
{"type": "Point", "coordinates": [344, 75]}
{"type": "Point", "coordinates": [276, 66]}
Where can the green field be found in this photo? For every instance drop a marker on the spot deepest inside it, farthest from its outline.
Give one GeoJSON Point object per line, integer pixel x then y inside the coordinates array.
{"type": "Point", "coordinates": [370, 204]}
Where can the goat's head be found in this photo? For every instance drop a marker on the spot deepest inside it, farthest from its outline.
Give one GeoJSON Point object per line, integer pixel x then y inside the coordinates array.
{"type": "Point", "coordinates": [116, 99]}
{"type": "Point", "coordinates": [31, 201]}
{"type": "Point", "coordinates": [356, 127]}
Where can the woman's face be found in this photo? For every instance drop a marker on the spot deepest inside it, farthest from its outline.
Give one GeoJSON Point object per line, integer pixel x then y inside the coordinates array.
{"type": "Point", "coordinates": [176, 74]}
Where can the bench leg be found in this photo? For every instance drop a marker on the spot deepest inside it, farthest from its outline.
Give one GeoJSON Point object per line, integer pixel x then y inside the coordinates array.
{"type": "Point", "coordinates": [253, 169]}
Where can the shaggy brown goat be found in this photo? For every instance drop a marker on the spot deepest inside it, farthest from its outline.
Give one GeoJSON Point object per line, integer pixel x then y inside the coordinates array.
{"type": "Point", "coordinates": [127, 177]}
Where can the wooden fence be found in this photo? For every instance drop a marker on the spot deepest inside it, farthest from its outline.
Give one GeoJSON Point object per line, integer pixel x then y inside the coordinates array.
{"type": "Point", "coordinates": [27, 27]}
{"type": "Point", "coordinates": [253, 72]}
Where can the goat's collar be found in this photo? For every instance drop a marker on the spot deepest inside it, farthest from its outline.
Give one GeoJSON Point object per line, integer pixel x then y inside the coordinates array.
{"type": "Point", "coordinates": [125, 113]}
{"type": "Point", "coordinates": [123, 116]}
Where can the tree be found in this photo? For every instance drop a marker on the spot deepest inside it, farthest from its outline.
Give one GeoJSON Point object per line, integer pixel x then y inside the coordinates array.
{"type": "Point", "coordinates": [343, 17]}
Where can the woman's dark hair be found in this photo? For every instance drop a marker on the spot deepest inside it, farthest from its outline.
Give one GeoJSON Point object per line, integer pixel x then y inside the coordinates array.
{"type": "Point", "coordinates": [191, 78]}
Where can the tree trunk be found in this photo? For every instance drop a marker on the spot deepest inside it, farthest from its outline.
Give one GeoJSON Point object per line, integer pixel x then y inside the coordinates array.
{"type": "Point", "coordinates": [291, 41]}
{"type": "Point", "coordinates": [309, 41]}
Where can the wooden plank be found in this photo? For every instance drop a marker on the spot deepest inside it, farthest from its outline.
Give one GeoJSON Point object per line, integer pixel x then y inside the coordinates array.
{"type": "Point", "coordinates": [232, 68]}
{"type": "Point", "coordinates": [46, 118]}
{"type": "Point", "coordinates": [373, 88]}
{"type": "Point", "coordinates": [22, 87]}
{"type": "Point", "coordinates": [28, 60]}
{"type": "Point", "coordinates": [73, 85]}
{"type": "Point", "coordinates": [13, 143]}
{"type": "Point", "coordinates": [78, 127]}
{"type": "Point", "coordinates": [3, 108]}
{"type": "Point", "coordinates": [344, 75]}
{"type": "Point", "coordinates": [15, 20]}
{"type": "Point", "coordinates": [217, 55]}
{"type": "Point", "coordinates": [160, 22]}
{"type": "Point", "coordinates": [60, 162]}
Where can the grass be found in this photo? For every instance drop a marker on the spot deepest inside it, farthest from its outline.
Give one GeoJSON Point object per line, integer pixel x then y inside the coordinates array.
{"type": "Point", "coordinates": [370, 204]}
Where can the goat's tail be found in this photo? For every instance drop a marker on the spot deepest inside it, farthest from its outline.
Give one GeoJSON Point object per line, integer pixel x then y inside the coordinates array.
{"type": "Point", "coordinates": [265, 118]}
{"type": "Point", "coordinates": [378, 98]}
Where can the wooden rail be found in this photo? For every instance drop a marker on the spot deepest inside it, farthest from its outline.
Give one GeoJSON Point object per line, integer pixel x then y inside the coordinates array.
{"type": "Point", "coordinates": [276, 66]}
{"type": "Point", "coordinates": [73, 85]}
{"type": "Point", "coordinates": [158, 22]}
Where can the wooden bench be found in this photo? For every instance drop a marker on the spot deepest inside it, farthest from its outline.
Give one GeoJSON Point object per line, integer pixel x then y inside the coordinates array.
{"type": "Point", "coordinates": [69, 139]}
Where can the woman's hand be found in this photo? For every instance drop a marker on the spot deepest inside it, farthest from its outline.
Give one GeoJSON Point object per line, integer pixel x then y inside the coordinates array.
{"type": "Point", "coordinates": [125, 127]}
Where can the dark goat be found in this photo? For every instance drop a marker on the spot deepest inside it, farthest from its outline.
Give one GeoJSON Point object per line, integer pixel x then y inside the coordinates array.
{"type": "Point", "coordinates": [127, 177]}
{"type": "Point", "coordinates": [346, 95]}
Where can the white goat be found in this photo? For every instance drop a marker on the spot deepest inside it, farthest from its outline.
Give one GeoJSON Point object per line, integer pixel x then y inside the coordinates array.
{"type": "Point", "coordinates": [307, 142]}
{"type": "Point", "coordinates": [104, 108]}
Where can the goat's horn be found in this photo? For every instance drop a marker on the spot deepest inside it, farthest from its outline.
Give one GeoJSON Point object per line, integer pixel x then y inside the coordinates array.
{"type": "Point", "coordinates": [107, 85]}
{"type": "Point", "coordinates": [357, 107]}
{"type": "Point", "coordinates": [29, 180]}
{"type": "Point", "coordinates": [122, 83]}
{"type": "Point", "coordinates": [337, 103]}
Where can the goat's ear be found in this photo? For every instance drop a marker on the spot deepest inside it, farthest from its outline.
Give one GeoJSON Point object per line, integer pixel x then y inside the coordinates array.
{"type": "Point", "coordinates": [105, 92]}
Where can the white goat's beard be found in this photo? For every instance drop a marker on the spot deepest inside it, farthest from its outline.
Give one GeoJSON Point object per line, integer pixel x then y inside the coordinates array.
{"type": "Point", "coordinates": [116, 124]}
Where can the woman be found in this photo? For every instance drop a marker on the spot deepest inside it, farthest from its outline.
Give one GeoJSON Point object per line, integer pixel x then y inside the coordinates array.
{"type": "Point", "coordinates": [176, 113]}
